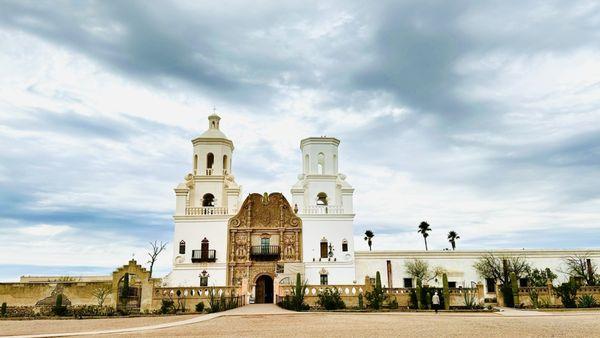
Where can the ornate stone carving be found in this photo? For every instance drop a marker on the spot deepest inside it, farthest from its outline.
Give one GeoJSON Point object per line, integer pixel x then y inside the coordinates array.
{"type": "Point", "coordinates": [289, 244]}
{"type": "Point", "coordinates": [262, 216]}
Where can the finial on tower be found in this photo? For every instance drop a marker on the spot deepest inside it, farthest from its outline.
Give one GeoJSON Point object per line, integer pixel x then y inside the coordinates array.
{"type": "Point", "coordinates": [213, 120]}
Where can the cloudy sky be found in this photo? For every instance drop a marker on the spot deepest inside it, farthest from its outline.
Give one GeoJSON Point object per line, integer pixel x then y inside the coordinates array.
{"type": "Point", "coordinates": [483, 118]}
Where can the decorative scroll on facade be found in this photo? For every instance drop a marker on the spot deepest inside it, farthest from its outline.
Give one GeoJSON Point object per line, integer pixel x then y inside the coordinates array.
{"type": "Point", "coordinates": [265, 224]}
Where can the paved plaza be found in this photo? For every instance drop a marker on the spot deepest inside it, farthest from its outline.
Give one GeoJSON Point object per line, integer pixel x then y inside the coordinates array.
{"type": "Point", "coordinates": [270, 321]}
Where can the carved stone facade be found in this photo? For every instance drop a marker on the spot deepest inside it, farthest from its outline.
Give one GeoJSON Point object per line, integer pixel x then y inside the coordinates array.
{"type": "Point", "coordinates": [262, 219]}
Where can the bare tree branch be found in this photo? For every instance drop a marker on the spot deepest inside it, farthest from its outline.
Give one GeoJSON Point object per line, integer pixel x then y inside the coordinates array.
{"type": "Point", "coordinates": [156, 249]}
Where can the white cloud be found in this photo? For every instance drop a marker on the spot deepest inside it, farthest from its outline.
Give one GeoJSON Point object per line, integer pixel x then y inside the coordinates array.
{"type": "Point", "coordinates": [44, 230]}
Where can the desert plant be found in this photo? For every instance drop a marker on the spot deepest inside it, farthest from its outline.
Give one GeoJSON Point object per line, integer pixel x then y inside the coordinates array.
{"type": "Point", "coordinates": [419, 270]}
{"type": "Point", "coordinates": [361, 304]}
{"type": "Point", "coordinates": [414, 303]}
{"type": "Point", "coordinates": [567, 292]}
{"type": "Point", "coordinates": [213, 302]}
{"type": "Point", "coordinates": [369, 238]}
{"type": "Point", "coordinates": [167, 306]}
{"type": "Point", "coordinates": [419, 294]}
{"type": "Point", "coordinates": [424, 229]}
{"type": "Point", "coordinates": [393, 303]}
{"type": "Point", "coordinates": [452, 237]}
{"type": "Point", "coordinates": [295, 301]}
{"type": "Point", "coordinates": [544, 302]}
{"type": "Point", "coordinates": [59, 309]}
{"type": "Point", "coordinates": [587, 301]}
{"type": "Point", "coordinates": [3, 310]}
{"type": "Point", "coordinates": [330, 299]}
{"type": "Point", "coordinates": [540, 278]}
{"type": "Point", "coordinates": [470, 299]}
{"type": "Point", "coordinates": [156, 249]}
{"type": "Point", "coordinates": [499, 268]}
{"type": "Point", "coordinates": [101, 293]}
{"type": "Point", "coordinates": [377, 296]}
{"type": "Point", "coordinates": [515, 288]}
{"type": "Point", "coordinates": [507, 295]}
{"type": "Point", "coordinates": [534, 298]}
{"type": "Point", "coordinates": [446, 291]}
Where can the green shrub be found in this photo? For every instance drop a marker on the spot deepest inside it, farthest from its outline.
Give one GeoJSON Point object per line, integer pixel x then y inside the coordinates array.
{"type": "Point", "coordinates": [59, 309]}
{"type": "Point", "coordinates": [414, 302]}
{"type": "Point", "coordinates": [167, 306]}
{"type": "Point", "coordinates": [361, 304]}
{"type": "Point", "coordinates": [330, 299]}
{"type": "Point", "coordinates": [567, 292]}
{"type": "Point", "coordinates": [587, 301]}
{"type": "Point", "coordinates": [200, 307]}
{"type": "Point", "coordinates": [91, 311]}
{"type": "Point", "coordinates": [3, 310]}
{"type": "Point", "coordinates": [393, 303]}
{"type": "Point", "coordinates": [544, 302]}
{"type": "Point", "coordinates": [376, 297]}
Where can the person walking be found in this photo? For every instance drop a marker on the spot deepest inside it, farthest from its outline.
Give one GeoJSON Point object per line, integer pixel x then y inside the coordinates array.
{"type": "Point", "coordinates": [435, 300]}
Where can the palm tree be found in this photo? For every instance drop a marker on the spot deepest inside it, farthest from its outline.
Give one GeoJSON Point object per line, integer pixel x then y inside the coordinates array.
{"type": "Point", "coordinates": [423, 229]}
{"type": "Point", "coordinates": [368, 237]}
{"type": "Point", "coordinates": [452, 237]}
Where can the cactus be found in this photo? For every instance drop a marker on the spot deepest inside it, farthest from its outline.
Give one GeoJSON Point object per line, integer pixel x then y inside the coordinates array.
{"type": "Point", "coordinates": [515, 288]}
{"type": "Point", "coordinates": [446, 292]}
{"type": "Point", "coordinates": [3, 310]}
{"type": "Point", "coordinates": [420, 294]}
{"type": "Point", "coordinates": [361, 304]}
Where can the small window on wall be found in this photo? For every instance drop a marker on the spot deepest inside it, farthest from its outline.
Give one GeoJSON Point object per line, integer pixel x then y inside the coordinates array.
{"type": "Point", "coordinates": [321, 198]}
{"type": "Point", "coordinates": [452, 285]}
{"type": "Point", "coordinates": [408, 283]}
{"type": "Point", "coordinates": [490, 284]}
{"type": "Point", "coordinates": [523, 282]}
{"type": "Point", "coordinates": [324, 248]}
{"type": "Point", "coordinates": [344, 245]}
{"type": "Point", "coordinates": [182, 248]}
{"type": "Point", "coordinates": [323, 279]}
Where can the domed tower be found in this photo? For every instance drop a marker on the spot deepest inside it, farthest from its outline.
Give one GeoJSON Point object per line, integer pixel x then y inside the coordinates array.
{"type": "Point", "coordinates": [205, 202]}
{"type": "Point", "coordinates": [210, 188]}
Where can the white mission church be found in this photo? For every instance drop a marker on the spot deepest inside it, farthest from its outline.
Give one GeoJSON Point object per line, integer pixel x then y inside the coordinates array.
{"type": "Point", "coordinates": [261, 241]}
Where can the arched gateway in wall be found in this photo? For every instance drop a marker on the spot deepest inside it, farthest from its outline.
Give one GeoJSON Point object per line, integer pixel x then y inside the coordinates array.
{"type": "Point", "coordinates": [265, 234]}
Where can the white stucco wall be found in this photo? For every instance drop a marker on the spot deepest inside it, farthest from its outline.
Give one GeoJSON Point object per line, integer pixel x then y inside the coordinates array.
{"type": "Point", "coordinates": [459, 264]}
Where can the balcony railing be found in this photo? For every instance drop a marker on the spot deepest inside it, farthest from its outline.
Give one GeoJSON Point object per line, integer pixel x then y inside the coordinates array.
{"type": "Point", "coordinates": [210, 172]}
{"type": "Point", "coordinates": [264, 252]}
{"type": "Point", "coordinates": [200, 256]}
{"type": "Point", "coordinates": [323, 209]}
{"type": "Point", "coordinates": [196, 211]}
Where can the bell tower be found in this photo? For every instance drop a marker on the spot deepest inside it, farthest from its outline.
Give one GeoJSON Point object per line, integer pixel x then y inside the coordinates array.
{"type": "Point", "coordinates": [320, 187]}
{"type": "Point", "coordinates": [210, 188]}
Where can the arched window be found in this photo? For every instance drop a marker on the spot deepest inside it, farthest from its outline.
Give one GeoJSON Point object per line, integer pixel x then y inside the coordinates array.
{"type": "Point", "coordinates": [208, 200]}
{"type": "Point", "coordinates": [324, 248]}
{"type": "Point", "coordinates": [321, 198]}
{"type": "Point", "coordinates": [195, 164]}
{"type": "Point", "coordinates": [210, 160]}
{"type": "Point", "coordinates": [224, 164]}
{"type": "Point", "coordinates": [321, 164]}
{"type": "Point", "coordinates": [344, 245]}
{"type": "Point", "coordinates": [306, 164]}
{"type": "Point", "coordinates": [182, 248]}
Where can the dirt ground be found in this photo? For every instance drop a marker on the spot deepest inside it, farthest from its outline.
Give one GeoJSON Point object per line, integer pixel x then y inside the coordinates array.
{"type": "Point", "coordinates": [387, 325]}
{"type": "Point", "coordinates": [335, 325]}
{"type": "Point", "coordinates": [23, 327]}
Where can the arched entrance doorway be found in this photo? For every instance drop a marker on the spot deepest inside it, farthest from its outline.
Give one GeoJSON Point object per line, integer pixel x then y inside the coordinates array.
{"type": "Point", "coordinates": [129, 293]}
{"type": "Point", "coordinates": [264, 289]}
